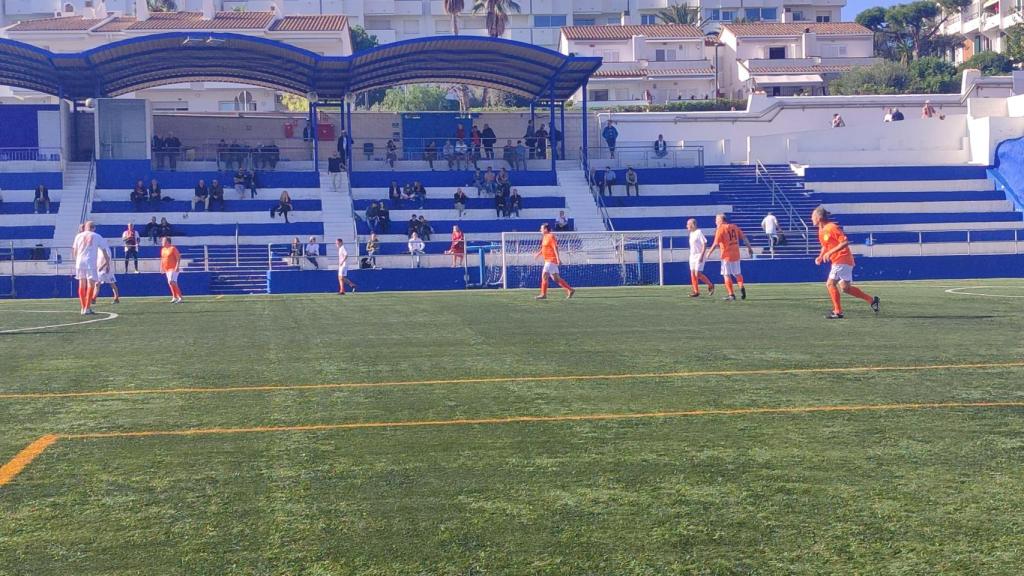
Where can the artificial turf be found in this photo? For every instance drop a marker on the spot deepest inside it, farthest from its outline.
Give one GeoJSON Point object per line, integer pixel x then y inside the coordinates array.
{"type": "Point", "coordinates": [899, 491]}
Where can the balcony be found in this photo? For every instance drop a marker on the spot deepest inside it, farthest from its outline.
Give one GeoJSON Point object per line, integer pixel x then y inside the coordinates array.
{"type": "Point", "coordinates": [382, 7]}
{"type": "Point", "coordinates": [383, 36]}
{"type": "Point", "coordinates": [653, 4]}
{"type": "Point", "coordinates": [408, 7]}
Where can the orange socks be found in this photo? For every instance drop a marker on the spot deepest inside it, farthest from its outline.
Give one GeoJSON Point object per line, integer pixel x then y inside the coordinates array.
{"type": "Point", "coordinates": [693, 282]}
{"type": "Point", "coordinates": [83, 292]}
{"type": "Point", "coordinates": [728, 285]}
{"type": "Point", "coordinates": [544, 286]}
{"type": "Point", "coordinates": [703, 279]}
{"type": "Point", "coordinates": [739, 280]}
{"type": "Point", "coordinates": [833, 293]}
{"type": "Point", "coordinates": [564, 285]}
{"type": "Point", "coordinates": [858, 293]}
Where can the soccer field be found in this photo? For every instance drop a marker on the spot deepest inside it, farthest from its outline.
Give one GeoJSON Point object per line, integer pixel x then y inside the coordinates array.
{"type": "Point", "coordinates": [626, 431]}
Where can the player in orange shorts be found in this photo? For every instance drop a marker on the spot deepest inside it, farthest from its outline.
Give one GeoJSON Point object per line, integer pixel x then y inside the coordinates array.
{"type": "Point", "coordinates": [549, 252]}
{"type": "Point", "coordinates": [727, 239]}
{"type": "Point", "coordinates": [170, 265]}
{"type": "Point", "coordinates": [835, 248]}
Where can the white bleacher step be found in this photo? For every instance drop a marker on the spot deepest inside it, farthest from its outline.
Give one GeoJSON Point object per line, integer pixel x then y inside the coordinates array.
{"type": "Point", "coordinates": [192, 241]}
{"type": "Point", "coordinates": [921, 207]}
{"type": "Point", "coordinates": [186, 195]}
{"type": "Point", "coordinates": [214, 217]}
{"type": "Point", "coordinates": [29, 195]}
{"type": "Point", "coordinates": [975, 184]}
{"type": "Point", "coordinates": [377, 164]}
{"type": "Point", "coordinates": [668, 211]}
{"type": "Point", "coordinates": [935, 227]}
{"type": "Point", "coordinates": [478, 214]}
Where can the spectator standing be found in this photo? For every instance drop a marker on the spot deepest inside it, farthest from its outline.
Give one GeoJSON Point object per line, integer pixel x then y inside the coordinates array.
{"type": "Point", "coordinates": [460, 132]}
{"type": "Point", "coordinates": [490, 180]}
{"type": "Point", "coordinates": [42, 199]}
{"type": "Point", "coordinates": [416, 247]}
{"type": "Point", "coordinates": [334, 168]}
{"type": "Point", "coordinates": [461, 155]}
{"type": "Point", "coordinates": [154, 192]}
{"type": "Point", "coordinates": [460, 201]}
{"type": "Point", "coordinates": [217, 193]}
{"type": "Point", "coordinates": [632, 181]}
{"type": "Point", "coordinates": [383, 217]}
{"type": "Point", "coordinates": [413, 226]}
{"type": "Point", "coordinates": [250, 182]}
{"type": "Point", "coordinates": [515, 202]}
{"type": "Point", "coordinates": [556, 144]}
{"type": "Point", "coordinates": [312, 251]}
{"type": "Point", "coordinates": [152, 229]}
{"type": "Point", "coordinates": [660, 147]}
{"type": "Point", "coordinates": [500, 206]}
{"type": "Point", "coordinates": [284, 206]}
{"type": "Point", "coordinates": [342, 148]}
{"type": "Point", "coordinates": [130, 239]}
{"type": "Point", "coordinates": [530, 139]}
{"type": "Point", "coordinates": [561, 223]}
{"type": "Point", "coordinates": [172, 147]}
{"type": "Point", "coordinates": [610, 135]}
{"type": "Point", "coordinates": [488, 139]}
{"type": "Point", "coordinates": [448, 150]}
{"type": "Point", "coordinates": [139, 194]}
{"type": "Point", "coordinates": [391, 153]}
{"type": "Point", "coordinates": [770, 225]}
{"type": "Point", "coordinates": [430, 154]}
{"type": "Point", "coordinates": [426, 230]}
{"type": "Point", "coordinates": [201, 195]}
{"type": "Point", "coordinates": [165, 230]}
{"type": "Point", "coordinates": [295, 252]}
{"type": "Point", "coordinates": [158, 151]}
{"type": "Point", "coordinates": [372, 247]}
{"type": "Point", "coordinates": [458, 247]}
{"type": "Point", "coordinates": [609, 179]}
{"type": "Point", "coordinates": [541, 136]}
{"type": "Point", "coordinates": [508, 154]}
{"type": "Point", "coordinates": [521, 153]}
{"type": "Point", "coordinates": [475, 141]}
{"type": "Point", "coordinates": [927, 111]}
{"type": "Point", "coordinates": [837, 121]}
{"type": "Point", "coordinates": [897, 116]}
{"type": "Point", "coordinates": [240, 184]}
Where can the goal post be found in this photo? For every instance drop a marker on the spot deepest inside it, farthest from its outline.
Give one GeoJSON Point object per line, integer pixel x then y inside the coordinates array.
{"type": "Point", "coordinates": [587, 259]}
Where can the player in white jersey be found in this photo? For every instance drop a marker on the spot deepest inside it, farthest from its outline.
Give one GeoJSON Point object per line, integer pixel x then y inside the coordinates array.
{"type": "Point", "coordinates": [105, 266]}
{"type": "Point", "coordinates": [343, 268]}
{"type": "Point", "coordinates": [85, 252]}
{"type": "Point", "coordinates": [698, 242]}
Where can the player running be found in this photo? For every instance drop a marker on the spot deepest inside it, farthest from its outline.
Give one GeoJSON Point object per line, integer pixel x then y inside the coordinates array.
{"type": "Point", "coordinates": [727, 239]}
{"type": "Point", "coordinates": [698, 242]}
{"type": "Point", "coordinates": [170, 264]}
{"type": "Point", "coordinates": [343, 267]}
{"type": "Point", "coordinates": [85, 252]}
{"type": "Point", "coordinates": [835, 248]}
{"type": "Point", "coordinates": [105, 267]}
{"type": "Point", "coordinates": [549, 252]}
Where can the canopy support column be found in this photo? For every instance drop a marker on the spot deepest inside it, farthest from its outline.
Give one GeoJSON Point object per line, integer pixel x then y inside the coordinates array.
{"type": "Point", "coordinates": [316, 135]}
{"type": "Point", "coordinates": [586, 147]}
{"type": "Point", "coordinates": [347, 111]}
{"type": "Point", "coordinates": [551, 131]}
{"type": "Point", "coordinates": [561, 131]}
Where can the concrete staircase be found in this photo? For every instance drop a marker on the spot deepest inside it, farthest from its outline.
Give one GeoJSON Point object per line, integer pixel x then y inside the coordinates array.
{"type": "Point", "coordinates": [752, 200]}
{"type": "Point", "coordinates": [246, 274]}
{"type": "Point", "coordinates": [579, 201]}
{"type": "Point", "coordinates": [337, 214]}
{"type": "Point", "coordinates": [74, 195]}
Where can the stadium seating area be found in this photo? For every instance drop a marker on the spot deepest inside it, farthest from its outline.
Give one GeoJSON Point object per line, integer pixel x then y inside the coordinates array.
{"type": "Point", "coordinates": [24, 229]}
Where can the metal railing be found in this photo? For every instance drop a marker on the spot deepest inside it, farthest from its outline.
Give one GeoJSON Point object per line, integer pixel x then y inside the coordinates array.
{"type": "Point", "coordinates": [90, 190]}
{"type": "Point", "coordinates": [645, 156]}
{"type": "Point", "coordinates": [30, 154]}
{"type": "Point", "coordinates": [249, 155]}
{"type": "Point", "coordinates": [598, 199]}
{"type": "Point", "coordinates": [943, 237]}
{"type": "Point", "coordinates": [796, 222]}
{"type": "Point", "coordinates": [446, 152]}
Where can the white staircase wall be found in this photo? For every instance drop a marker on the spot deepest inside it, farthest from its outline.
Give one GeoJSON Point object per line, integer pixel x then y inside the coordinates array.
{"type": "Point", "coordinates": [579, 201]}
{"type": "Point", "coordinates": [72, 199]}
{"type": "Point", "coordinates": [337, 216]}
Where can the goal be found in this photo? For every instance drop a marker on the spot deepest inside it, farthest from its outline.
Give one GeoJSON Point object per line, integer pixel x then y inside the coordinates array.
{"type": "Point", "coordinates": [588, 259]}
{"type": "Point", "coordinates": [7, 271]}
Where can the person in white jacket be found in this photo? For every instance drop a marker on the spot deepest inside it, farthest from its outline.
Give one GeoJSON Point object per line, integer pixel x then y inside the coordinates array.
{"type": "Point", "coordinates": [770, 225]}
{"type": "Point", "coordinates": [416, 247]}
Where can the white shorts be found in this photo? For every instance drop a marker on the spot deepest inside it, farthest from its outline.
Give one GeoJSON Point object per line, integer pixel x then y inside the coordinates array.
{"type": "Point", "coordinates": [697, 265]}
{"type": "Point", "coordinates": [108, 278]}
{"type": "Point", "coordinates": [87, 272]}
{"type": "Point", "coordinates": [342, 271]}
{"type": "Point", "coordinates": [549, 268]}
{"type": "Point", "coordinates": [842, 272]}
{"type": "Point", "coordinates": [172, 275]}
{"type": "Point", "coordinates": [731, 268]}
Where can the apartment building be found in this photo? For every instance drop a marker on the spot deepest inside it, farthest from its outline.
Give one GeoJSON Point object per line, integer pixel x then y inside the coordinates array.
{"type": "Point", "coordinates": [983, 25]}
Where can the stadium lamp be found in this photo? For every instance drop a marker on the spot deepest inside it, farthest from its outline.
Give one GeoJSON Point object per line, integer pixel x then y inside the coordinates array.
{"type": "Point", "coordinates": [312, 96]}
{"type": "Point", "coordinates": [191, 41]}
{"type": "Point", "coordinates": [211, 41]}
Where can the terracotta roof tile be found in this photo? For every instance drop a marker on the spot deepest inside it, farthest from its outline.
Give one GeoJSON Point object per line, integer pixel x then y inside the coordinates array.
{"type": "Point", "coordinates": [810, 69]}
{"type": "Point", "coordinates": [195, 21]}
{"type": "Point", "coordinates": [66, 23]}
{"type": "Point", "coordinates": [317, 23]}
{"type": "Point", "coordinates": [116, 24]}
{"type": "Point", "coordinates": [795, 29]}
{"type": "Point", "coordinates": [654, 73]}
{"type": "Point", "coordinates": [615, 32]}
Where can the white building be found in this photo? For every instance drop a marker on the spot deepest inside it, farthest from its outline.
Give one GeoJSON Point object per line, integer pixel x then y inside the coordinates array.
{"type": "Point", "coordinates": [983, 24]}
{"type": "Point", "coordinates": [787, 59]}
{"type": "Point", "coordinates": [643, 64]}
{"type": "Point", "coordinates": [325, 34]}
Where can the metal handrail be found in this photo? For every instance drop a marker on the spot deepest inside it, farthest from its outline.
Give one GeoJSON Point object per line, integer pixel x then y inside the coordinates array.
{"type": "Point", "coordinates": [90, 189]}
{"type": "Point", "coordinates": [237, 259]}
{"type": "Point", "coordinates": [761, 174]}
{"type": "Point", "coordinates": [601, 208]}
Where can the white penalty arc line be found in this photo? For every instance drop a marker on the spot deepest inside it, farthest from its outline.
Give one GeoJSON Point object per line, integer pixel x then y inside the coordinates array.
{"type": "Point", "coordinates": [959, 291]}
{"type": "Point", "coordinates": [109, 316]}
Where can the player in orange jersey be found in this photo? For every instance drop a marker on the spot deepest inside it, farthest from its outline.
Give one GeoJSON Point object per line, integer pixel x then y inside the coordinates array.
{"type": "Point", "coordinates": [727, 239]}
{"type": "Point", "coordinates": [835, 248]}
{"type": "Point", "coordinates": [170, 264]}
{"type": "Point", "coordinates": [549, 252]}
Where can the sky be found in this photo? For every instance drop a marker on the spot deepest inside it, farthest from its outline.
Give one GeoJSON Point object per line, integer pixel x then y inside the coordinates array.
{"type": "Point", "coordinates": [854, 7]}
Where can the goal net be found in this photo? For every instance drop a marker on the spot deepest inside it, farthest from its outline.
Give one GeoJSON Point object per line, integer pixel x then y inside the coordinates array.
{"type": "Point", "coordinates": [587, 259]}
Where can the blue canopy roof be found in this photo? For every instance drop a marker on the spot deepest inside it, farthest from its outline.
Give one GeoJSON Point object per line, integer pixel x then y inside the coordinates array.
{"type": "Point", "coordinates": [138, 63]}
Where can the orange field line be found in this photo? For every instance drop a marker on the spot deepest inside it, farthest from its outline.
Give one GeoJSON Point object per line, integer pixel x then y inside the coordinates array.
{"type": "Point", "coordinates": [506, 379]}
{"type": "Point", "coordinates": [558, 418]}
{"type": "Point", "coordinates": [25, 457]}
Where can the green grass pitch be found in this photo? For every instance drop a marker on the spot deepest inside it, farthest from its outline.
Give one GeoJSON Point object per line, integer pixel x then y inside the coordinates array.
{"type": "Point", "coordinates": [897, 491]}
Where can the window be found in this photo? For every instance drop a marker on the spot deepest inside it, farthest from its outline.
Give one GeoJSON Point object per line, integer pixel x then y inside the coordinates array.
{"type": "Point", "coordinates": [244, 102]}
{"type": "Point", "coordinates": [823, 17]}
{"type": "Point", "coordinates": [378, 23]}
{"type": "Point", "coordinates": [728, 15]}
{"type": "Point", "coordinates": [777, 53]}
{"type": "Point", "coordinates": [610, 55]}
{"type": "Point", "coordinates": [769, 14]}
{"type": "Point", "coordinates": [798, 16]}
{"type": "Point", "coordinates": [599, 95]}
{"type": "Point", "coordinates": [554, 21]}
{"type": "Point", "coordinates": [664, 55]}
{"type": "Point", "coordinates": [648, 19]}
{"type": "Point", "coordinates": [411, 26]}
{"type": "Point", "coordinates": [752, 14]}
{"type": "Point", "coordinates": [443, 26]}
{"type": "Point", "coordinates": [176, 106]}
{"type": "Point", "coordinates": [622, 94]}
{"type": "Point", "coordinates": [225, 106]}
{"type": "Point", "coordinates": [713, 14]}
{"type": "Point", "coordinates": [583, 21]}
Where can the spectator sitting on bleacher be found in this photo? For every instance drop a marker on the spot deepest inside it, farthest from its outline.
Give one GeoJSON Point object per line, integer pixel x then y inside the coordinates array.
{"type": "Point", "coordinates": [139, 194]}
{"type": "Point", "coordinates": [172, 147]}
{"type": "Point", "coordinates": [152, 229]}
{"type": "Point", "coordinates": [250, 182]}
{"type": "Point", "coordinates": [165, 229]}
{"type": "Point", "coordinates": [384, 217]}
{"type": "Point", "coordinates": [478, 181]}
{"type": "Point", "coordinates": [391, 151]}
{"type": "Point", "coordinates": [296, 251]}
{"type": "Point", "coordinates": [521, 153]}
{"type": "Point", "coordinates": [217, 193]}
{"type": "Point", "coordinates": [371, 216]}
{"type": "Point", "coordinates": [475, 139]}
{"type": "Point", "coordinates": [284, 206]}
{"type": "Point", "coordinates": [372, 246]}
{"type": "Point", "coordinates": [416, 247]}
{"type": "Point", "coordinates": [430, 153]}
{"type": "Point", "coordinates": [461, 156]}
{"type": "Point", "coordinates": [448, 150]}
{"type": "Point", "coordinates": [561, 223]}
{"type": "Point", "coordinates": [632, 180]}
{"type": "Point", "coordinates": [460, 201]}
{"type": "Point", "coordinates": [395, 193]}
{"type": "Point", "coordinates": [202, 194]}
{"type": "Point", "coordinates": [419, 192]}
{"type": "Point", "coordinates": [414, 226]}
{"type": "Point", "coordinates": [609, 179]}
{"type": "Point", "coordinates": [515, 203]}
{"type": "Point", "coordinates": [458, 247]}
{"type": "Point", "coordinates": [660, 147]}
{"type": "Point", "coordinates": [500, 207]}
{"type": "Point", "coordinates": [155, 193]}
{"type": "Point", "coordinates": [490, 184]}
{"type": "Point", "coordinates": [240, 184]}
{"type": "Point", "coordinates": [42, 199]}
{"type": "Point", "coordinates": [503, 182]}
{"type": "Point", "coordinates": [312, 251]}
{"type": "Point", "coordinates": [425, 228]}
{"type": "Point", "coordinates": [508, 154]}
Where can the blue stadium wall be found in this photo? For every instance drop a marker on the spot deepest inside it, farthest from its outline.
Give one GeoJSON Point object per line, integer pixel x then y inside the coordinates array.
{"type": "Point", "coordinates": [122, 175]}
{"type": "Point", "coordinates": [400, 279]}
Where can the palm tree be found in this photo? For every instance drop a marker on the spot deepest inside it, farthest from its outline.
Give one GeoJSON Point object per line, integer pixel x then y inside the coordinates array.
{"type": "Point", "coordinates": [497, 14]}
{"type": "Point", "coordinates": [679, 14]}
{"type": "Point", "coordinates": [454, 7]}
{"type": "Point", "coordinates": [161, 5]}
